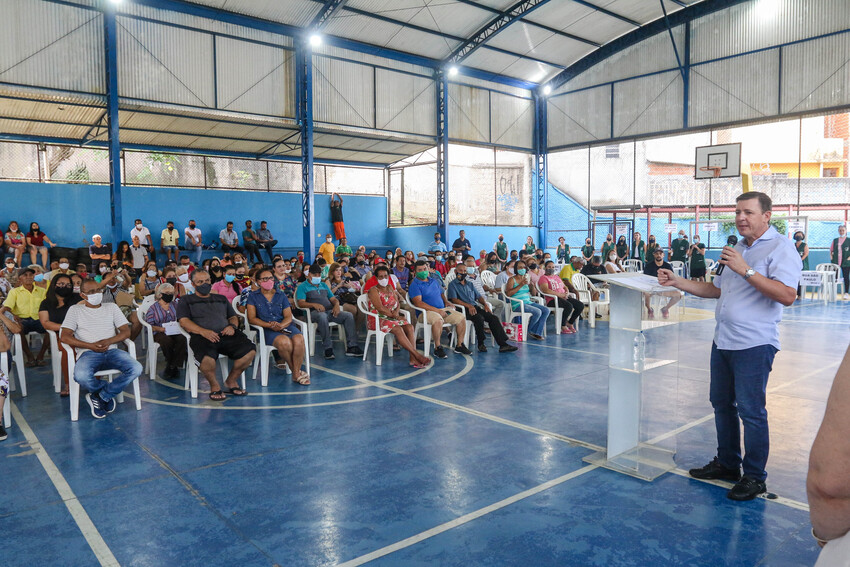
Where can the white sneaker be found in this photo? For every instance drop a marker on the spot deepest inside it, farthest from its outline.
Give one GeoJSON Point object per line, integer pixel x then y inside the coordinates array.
{"type": "Point", "coordinates": [847, 296]}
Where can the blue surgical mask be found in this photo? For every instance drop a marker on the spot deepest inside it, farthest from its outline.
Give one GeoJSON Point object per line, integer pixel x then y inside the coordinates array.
{"type": "Point", "coordinates": [229, 278]}
{"type": "Point", "coordinates": [39, 277]}
{"type": "Point", "coordinates": [521, 272]}
{"type": "Point", "coordinates": [316, 280]}
{"type": "Point", "coordinates": [470, 270]}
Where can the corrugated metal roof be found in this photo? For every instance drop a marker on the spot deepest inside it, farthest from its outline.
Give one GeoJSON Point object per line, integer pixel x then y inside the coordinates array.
{"type": "Point", "coordinates": [293, 12]}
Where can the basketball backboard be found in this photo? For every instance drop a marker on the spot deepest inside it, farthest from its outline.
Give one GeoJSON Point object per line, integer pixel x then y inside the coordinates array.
{"type": "Point", "coordinates": [718, 161]}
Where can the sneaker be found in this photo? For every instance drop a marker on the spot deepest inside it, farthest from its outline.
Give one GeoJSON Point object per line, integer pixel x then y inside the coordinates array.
{"type": "Point", "coordinates": [3, 434]}
{"type": "Point", "coordinates": [715, 471]}
{"type": "Point", "coordinates": [96, 405]}
{"type": "Point", "coordinates": [439, 352]}
{"type": "Point", "coordinates": [354, 351]}
{"type": "Point", "coordinates": [108, 406]}
{"type": "Point", "coordinates": [507, 348]}
{"type": "Point", "coordinates": [461, 349]}
{"type": "Point", "coordinates": [329, 354]}
{"type": "Point", "coordinates": [746, 489]}
{"type": "Point", "coordinates": [482, 348]}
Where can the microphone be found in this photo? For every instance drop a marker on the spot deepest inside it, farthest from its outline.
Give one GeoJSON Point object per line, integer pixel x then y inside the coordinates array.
{"type": "Point", "coordinates": [720, 266]}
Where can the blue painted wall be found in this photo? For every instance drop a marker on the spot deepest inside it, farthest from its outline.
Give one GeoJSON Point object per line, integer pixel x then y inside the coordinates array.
{"type": "Point", "coordinates": [69, 214]}
{"type": "Point", "coordinates": [418, 238]}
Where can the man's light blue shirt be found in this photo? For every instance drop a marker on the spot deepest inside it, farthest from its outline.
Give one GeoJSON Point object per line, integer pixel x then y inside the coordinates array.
{"type": "Point", "coordinates": [437, 246]}
{"type": "Point", "coordinates": [745, 317]}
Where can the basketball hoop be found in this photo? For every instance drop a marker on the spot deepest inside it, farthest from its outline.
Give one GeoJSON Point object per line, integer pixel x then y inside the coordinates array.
{"type": "Point", "coordinates": [716, 170]}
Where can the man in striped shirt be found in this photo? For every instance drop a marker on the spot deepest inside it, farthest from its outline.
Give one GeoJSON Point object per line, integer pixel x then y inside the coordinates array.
{"type": "Point", "coordinates": [94, 329]}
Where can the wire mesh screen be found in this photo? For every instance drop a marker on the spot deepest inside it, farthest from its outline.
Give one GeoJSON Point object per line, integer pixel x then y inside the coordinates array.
{"type": "Point", "coordinates": [420, 194]}
{"type": "Point", "coordinates": [350, 180]}
{"type": "Point", "coordinates": [226, 173]}
{"type": "Point", "coordinates": [284, 176]}
{"type": "Point", "coordinates": [159, 169]}
{"type": "Point", "coordinates": [472, 185]}
{"type": "Point", "coordinates": [77, 165]}
{"type": "Point", "coordinates": [513, 188]}
{"type": "Point", "coordinates": [19, 161]}
{"type": "Point", "coordinates": [665, 171]}
{"type": "Point", "coordinates": [396, 180]}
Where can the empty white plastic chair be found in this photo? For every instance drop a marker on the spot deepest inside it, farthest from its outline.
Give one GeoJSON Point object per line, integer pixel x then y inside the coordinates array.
{"type": "Point", "coordinates": [55, 360]}
{"type": "Point", "coordinates": [147, 330]}
{"type": "Point", "coordinates": [633, 265]}
{"type": "Point", "coordinates": [678, 268]}
{"type": "Point", "coordinates": [74, 387]}
{"type": "Point", "coordinates": [18, 359]}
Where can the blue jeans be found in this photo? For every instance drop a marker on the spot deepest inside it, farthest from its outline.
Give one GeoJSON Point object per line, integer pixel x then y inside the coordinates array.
{"type": "Point", "coordinates": [738, 391]}
{"type": "Point", "coordinates": [539, 315]}
{"type": "Point", "coordinates": [199, 250]}
{"type": "Point", "coordinates": [113, 359]}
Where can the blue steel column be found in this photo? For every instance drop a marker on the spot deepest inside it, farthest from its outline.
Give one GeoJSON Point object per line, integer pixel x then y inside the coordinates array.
{"type": "Point", "coordinates": [442, 155]}
{"type": "Point", "coordinates": [304, 103]}
{"type": "Point", "coordinates": [111, 55]}
{"type": "Point", "coordinates": [541, 165]}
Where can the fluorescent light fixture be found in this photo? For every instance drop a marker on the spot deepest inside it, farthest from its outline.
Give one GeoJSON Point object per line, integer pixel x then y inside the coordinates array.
{"type": "Point", "coordinates": [315, 40]}
{"type": "Point", "coordinates": [116, 1]}
{"type": "Point", "coordinates": [452, 71]}
{"type": "Point", "coordinates": [547, 89]}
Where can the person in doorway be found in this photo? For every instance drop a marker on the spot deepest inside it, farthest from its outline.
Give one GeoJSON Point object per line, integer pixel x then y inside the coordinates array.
{"type": "Point", "coordinates": [461, 245]}
{"type": "Point", "coordinates": [214, 329]}
{"type": "Point", "coordinates": [696, 253]}
{"type": "Point", "coordinates": [336, 217]}
{"type": "Point", "coordinates": [638, 250]}
{"type": "Point", "coordinates": [94, 329]}
{"type": "Point", "coordinates": [651, 269]}
{"type": "Point", "coordinates": [193, 240]}
{"type": "Point", "coordinates": [839, 253]}
{"type": "Point", "coordinates": [761, 275]}
{"type": "Point", "coordinates": [169, 241]}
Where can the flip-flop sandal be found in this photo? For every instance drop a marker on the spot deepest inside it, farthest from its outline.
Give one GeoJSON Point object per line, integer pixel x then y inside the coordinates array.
{"type": "Point", "coordinates": [29, 364]}
{"type": "Point", "coordinates": [40, 362]}
{"type": "Point", "coordinates": [303, 380]}
{"type": "Point", "coordinates": [280, 366]}
{"type": "Point", "coordinates": [234, 392]}
{"type": "Point", "coordinates": [217, 396]}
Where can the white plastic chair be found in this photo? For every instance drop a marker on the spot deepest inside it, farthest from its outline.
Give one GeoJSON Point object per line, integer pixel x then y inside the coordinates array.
{"type": "Point", "coordinates": [192, 371]}
{"type": "Point", "coordinates": [152, 345]}
{"type": "Point", "coordinates": [313, 328]}
{"type": "Point", "coordinates": [450, 277]}
{"type": "Point", "coordinates": [470, 336]}
{"type": "Point", "coordinates": [839, 281]}
{"type": "Point", "coordinates": [55, 360]}
{"type": "Point", "coordinates": [74, 386]}
{"type": "Point", "coordinates": [7, 410]}
{"type": "Point", "coordinates": [17, 353]}
{"type": "Point", "coordinates": [512, 312]}
{"type": "Point", "coordinates": [380, 336]}
{"type": "Point", "coordinates": [264, 351]}
{"type": "Point", "coordinates": [425, 327]}
{"type": "Point", "coordinates": [678, 268]}
{"type": "Point", "coordinates": [585, 287]}
{"type": "Point", "coordinates": [633, 265]}
{"type": "Point", "coordinates": [555, 309]}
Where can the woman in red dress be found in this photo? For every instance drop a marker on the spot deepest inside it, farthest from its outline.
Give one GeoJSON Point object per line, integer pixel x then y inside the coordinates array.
{"type": "Point", "coordinates": [383, 301]}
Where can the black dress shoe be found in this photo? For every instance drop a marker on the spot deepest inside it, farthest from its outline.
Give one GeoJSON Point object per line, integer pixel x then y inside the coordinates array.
{"type": "Point", "coordinates": [715, 471]}
{"type": "Point", "coordinates": [507, 348]}
{"type": "Point", "coordinates": [482, 348]}
{"type": "Point", "coordinates": [746, 489]}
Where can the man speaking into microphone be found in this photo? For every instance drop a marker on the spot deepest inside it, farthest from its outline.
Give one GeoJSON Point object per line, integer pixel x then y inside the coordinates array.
{"type": "Point", "coordinates": [760, 276]}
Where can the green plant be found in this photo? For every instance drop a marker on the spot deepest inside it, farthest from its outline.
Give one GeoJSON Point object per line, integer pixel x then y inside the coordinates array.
{"type": "Point", "coordinates": [80, 173]}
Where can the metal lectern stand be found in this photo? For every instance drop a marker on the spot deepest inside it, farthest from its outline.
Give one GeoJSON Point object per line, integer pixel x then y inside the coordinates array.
{"type": "Point", "coordinates": [642, 393]}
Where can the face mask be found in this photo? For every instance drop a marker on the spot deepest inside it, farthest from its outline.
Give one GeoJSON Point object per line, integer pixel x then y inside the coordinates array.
{"type": "Point", "coordinates": [63, 266]}
{"type": "Point", "coordinates": [94, 298]}
{"type": "Point", "coordinates": [240, 276]}
{"type": "Point", "coordinates": [229, 278]}
{"type": "Point", "coordinates": [501, 239]}
{"type": "Point", "coordinates": [204, 289]}
{"type": "Point", "coordinates": [237, 263]}
{"type": "Point", "coordinates": [439, 258]}
{"type": "Point", "coordinates": [315, 280]}
{"type": "Point", "coordinates": [64, 291]}
{"type": "Point", "coordinates": [610, 239]}
{"type": "Point", "coordinates": [550, 271]}
{"type": "Point", "coordinates": [183, 278]}
{"type": "Point", "coordinates": [10, 265]}
{"type": "Point", "coordinates": [328, 239]}
{"type": "Point", "coordinates": [287, 270]}
{"type": "Point", "coordinates": [172, 281]}
{"type": "Point", "coordinates": [168, 297]}
{"type": "Point", "coordinates": [422, 275]}
{"type": "Point", "coordinates": [383, 282]}
{"type": "Point", "coordinates": [39, 277]}
{"type": "Point", "coordinates": [139, 226]}
{"type": "Point", "coordinates": [509, 270]}
{"type": "Point", "coordinates": [652, 240]}
{"type": "Point", "coordinates": [681, 236]}
{"type": "Point", "coordinates": [192, 225]}
{"type": "Point", "coordinates": [521, 272]}
{"type": "Point", "coordinates": [461, 276]}
{"type": "Point", "coordinates": [267, 285]}
{"type": "Point", "coordinates": [76, 289]}
{"type": "Point", "coordinates": [612, 257]}
{"type": "Point", "coordinates": [696, 240]}
{"type": "Point", "coordinates": [798, 238]}
{"type": "Point", "coordinates": [470, 270]}
{"type": "Point", "coordinates": [103, 269]}
{"type": "Point", "coordinates": [151, 273]}
{"type": "Point", "coordinates": [587, 242]}
{"type": "Point", "coordinates": [112, 285]}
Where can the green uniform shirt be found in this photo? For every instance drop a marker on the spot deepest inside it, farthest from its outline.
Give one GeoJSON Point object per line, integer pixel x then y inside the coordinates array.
{"type": "Point", "coordinates": [529, 248]}
{"type": "Point", "coordinates": [801, 249]}
{"type": "Point", "coordinates": [698, 260]}
{"type": "Point", "coordinates": [606, 249]}
{"type": "Point", "coordinates": [680, 249]}
{"type": "Point", "coordinates": [563, 253]}
{"type": "Point", "coordinates": [622, 250]}
{"type": "Point", "coordinates": [502, 251]}
{"type": "Point", "coordinates": [587, 251]}
{"type": "Point", "coordinates": [637, 251]}
{"type": "Point", "coordinates": [650, 249]}
{"type": "Point", "coordinates": [845, 252]}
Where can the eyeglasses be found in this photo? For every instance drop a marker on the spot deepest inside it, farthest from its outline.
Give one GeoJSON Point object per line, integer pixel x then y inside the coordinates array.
{"type": "Point", "coordinates": [266, 279]}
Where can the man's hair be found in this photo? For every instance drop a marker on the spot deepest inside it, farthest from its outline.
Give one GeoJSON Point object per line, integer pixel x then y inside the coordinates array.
{"type": "Point", "coordinates": [249, 220]}
{"type": "Point", "coordinates": [138, 220]}
{"type": "Point", "coordinates": [184, 256]}
{"type": "Point", "coordinates": [26, 271]}
{"type": "Point", "coordinates": [596, 260]}
{"type": "Point", "coordinates": [263, 222]}
{"type": "Point", "coordinates": [421, 263]}
{"type": "Point", "coordinates": [765, 202]}
{"type": "Point", "coordinates": [321, 261]}
{"type": "Point", "coordinates": [657, 250]}
{"type": "Point", "coordinates": [197, 272]}
{"type": "Point", "coordinates": [468, 257]}
{"type": "Point", "coordinates": [169, 222]}
{"type": "Point", "coordinates": [87, 285]}
{"type": "Point", "coordinates": [229, 222]}
{"type": "Point", "coordinates": [316, 268]}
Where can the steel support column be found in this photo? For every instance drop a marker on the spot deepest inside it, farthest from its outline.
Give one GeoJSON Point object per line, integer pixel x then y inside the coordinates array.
{"type": "Point", "coordinates": [110, 36]}
{"type": "Point", "coordinates": [304, 117]}
{"type": "Point", "coordinates": [442, 155]}
{"type": "Point", "coordinates": [541, 168]}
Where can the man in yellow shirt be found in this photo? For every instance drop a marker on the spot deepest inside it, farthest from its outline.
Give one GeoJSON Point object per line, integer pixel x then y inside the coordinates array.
{"type": "Point", "coordinates": [574, 267]}
{"type": "Point", "coordinates": [327, 249]}
{"type": "Point", "coordinates": [169, 241]}
{"type": "Point", "coordinates": [24, 303]}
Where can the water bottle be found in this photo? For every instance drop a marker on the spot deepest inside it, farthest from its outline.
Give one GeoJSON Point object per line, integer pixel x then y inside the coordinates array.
{"type": "Point", "coordinates": [639, 351]}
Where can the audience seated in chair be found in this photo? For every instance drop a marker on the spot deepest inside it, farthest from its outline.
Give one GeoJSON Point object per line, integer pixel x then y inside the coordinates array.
{"type": "Point", "coordinates": [383, 301]}
{"type": "Point", "coordinates": [16, 243]}
{"type": "Point", "coordinates": [519, 288]}
{"type": "Point", "coordinates": [60, 297]}
{"type": "Point", "coordinates": [36, 240]}
{"type": "Point", "coordinates": [316, 295]}
{"type": "Point", "coordinates": [229, 239]}
{"type": "Point", "coordinates": [463, 292]}
{"type": "Point", "coordinates": [552, 284]}
{"type": "Point", "coordinates": [24, 302]}
{"type": "Point", "coordinates": [651, 269]}
{"type": "Point", "coordinates": [426, 293]}
{"type": "Point", "coordinates": [160, 312]}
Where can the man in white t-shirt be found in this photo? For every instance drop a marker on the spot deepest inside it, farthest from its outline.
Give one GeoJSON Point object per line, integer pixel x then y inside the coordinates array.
{"type": "Point", "coordinates": [94, 329]}
{"type": "Point", "coordinates": [144, 236]}
{"type": "Point", "coordinates": [193, 240]}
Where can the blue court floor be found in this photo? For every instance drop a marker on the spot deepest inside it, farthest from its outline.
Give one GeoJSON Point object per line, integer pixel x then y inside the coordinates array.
{"type": "Point", "coordinates": [474, 461]}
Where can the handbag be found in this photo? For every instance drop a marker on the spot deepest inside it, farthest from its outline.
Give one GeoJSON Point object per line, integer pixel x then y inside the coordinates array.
{"type": "Point", "coordinates": [513, 331]}
{"type": "Point", "coordinates": [348, 298]}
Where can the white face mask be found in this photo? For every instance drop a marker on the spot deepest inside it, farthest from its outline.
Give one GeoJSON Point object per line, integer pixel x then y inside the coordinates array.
{"type": "Point", "coordinates": [183, 278]}
{"type": "Point", "coordinates": [76, 289]}
{"type": "Point", "coordinates": [287, 270]}
{"type": "Point", "coordinates": [103, 269]}
{"type": "Point", "coordinates": [151, 273]}
{"type": "Point", "coordinates": [509, 270]}
{"type": "Point", "coordinates": [328, 239]}
{"type": "Point", "coordinates": [10, 265]}
{"type": "Point", "coordinates": [612, 257]}
{"type": "Point", "coordinates": [94, 298]}
{"type": "Point", "coordinates": [383, 282]}
{"type": "Point", "coordinates": [139, 226]}
{"type": "Point", "coordinates": [63, 266]}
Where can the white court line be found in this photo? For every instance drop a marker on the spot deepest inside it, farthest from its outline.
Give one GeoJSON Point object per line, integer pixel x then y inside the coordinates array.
{"type": "Point", "coordinates": [87, 527]}
{"type": "Point", "coordinates": [466, 518]}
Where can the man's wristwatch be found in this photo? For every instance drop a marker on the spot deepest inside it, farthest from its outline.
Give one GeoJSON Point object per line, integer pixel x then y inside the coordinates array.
{"type": "Point", "coordinates": [749, 273]}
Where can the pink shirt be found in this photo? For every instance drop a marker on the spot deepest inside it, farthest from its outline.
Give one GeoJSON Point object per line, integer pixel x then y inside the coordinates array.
{"type": "Point", "coordinates": [221, 287]}
{"type": "Point", "coordinates": [840, 243]}
{"type": "Point", "coordinates": [555, 283]}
